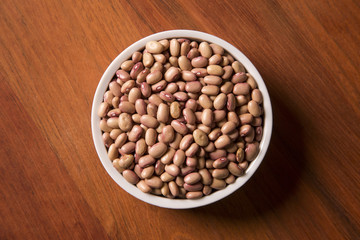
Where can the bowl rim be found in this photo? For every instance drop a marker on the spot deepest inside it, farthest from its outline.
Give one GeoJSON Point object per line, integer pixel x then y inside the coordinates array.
{"type": "Point", "coordinates": [158, 200]}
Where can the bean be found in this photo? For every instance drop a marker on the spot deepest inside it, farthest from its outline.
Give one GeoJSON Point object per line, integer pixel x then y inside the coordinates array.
{"type": "Point", "coordinates": [217, 49]}
{"type": "Point", "coordinates": [216, 70]}
{"type": "Point", "coordinates": [219, 115]}
{"type": "Point", "coordinates": [220, 162]}
{"type": "Point", "coordinates": [231, 102]}
{"type": "Point", "coordinates": [181, 96]}
{"type": "Point", "coordinates": [256, 122]}
{"type": "Point", "coordinates": [147, 172]}
{"type": "Point", "coordinates": [149, 121]}
{"type": "Point", "coordinates": [179, 127]}
{"type": "Point", "coordinates": [174, 47]}
{"type": "Point", "coordinates": [200, 138]}
{"type": "Point", "coordinates": [199, 62]}
{"type": "Point", "coordinates": [254, 108]}
{"type": "Point", "coordinates": [113, 152]}
{"type": "Point", "coordinates": [238, 67]}
{"type": "Point", "coordinates": [246, 118]}
{"type": "Point", "coordinates": [125, 122]}
{"type": "Point", "coordinates": [214, 134]}
{"type": "Point", "coordinates": [194, 195]}
{"type": "Point", "coordinates": [189, 116]}
{"type": "Point", "coordinates": [141, 77]}
{"type": "Point", "coordinates": [150, 137]}
{"type": "Point", "coordinates": [258, 133]}
{"type": "Point", "coordinates": [167, 158]}
{"type": "Point", "coordinates": [220, 101]}
{"type": "Point", "coordinates": [172, 88]}
{"type": "Point", "coordinates": [176, 142]}
{"type": "Point", "coordinates": [174, 189]}
{"type": "Point", "coordinates": [140, 147]}
{"type": "Point", "coordinates": [228, 71]}
{"type": "Point", "coordinates": [136, 69]}
{"type": "Point", "coordinates": [160, 58]}
{"type": "Point", "coordinates": [103, 109]}
{"type": "Point", "coordinates": [135, 133]}
{"type": "Point", "coordinates": [193, 87]}
{"type": "Point", "coordinates": [130, 176]}
{"type": "Point", "coordinates": [205, 101]}
{"type": "Point", "coordinates": [172, 169]}
{"type": "Point", "coordinates": [215, 59]}
{"type": "Point", "coordinates": [205, 49]}
{"type": "Point", "coordinates": [123, 75]}
{"type": "Point", "coordinates": [184, 63]}
{"type": "Point", "coordinates": [241, 89]}
{"type": "Point", "coordinates": [235, 170]}
{"type": "Point", "coordinates": [143, 186]}
{"type": "Point", "coordinates": [207, 190]}
{"type": "Point", "coordinates": [188, 76]}
{"type": "Point", "coordinates": [158, 150]}
{"type": "Point", "coordinates": [220, 173]}
{"type": "Point", "coordinates": [168, 133]}
{"type": "Point", "coordinates": [127, 65]}
{"type": "Point", "coordinates": [217, 154]}
{"type": "Point", "coordinates": [251, 81]}
{"type": "Point", "coordinates": [212, 80]}
{"type": "Point", "coordinates": [127, 148]}
{"type": "Point", "coordinates": [146, 161]}
{"type": "Point", "coordinates": [186, 142]}
{"type": "Point", "coordinates": [251, 151]}
{"type": "Point", "coordinates": [192, 150]}
{"type": "Point", "coordinates": [125, 161]}
{"type": "Point", "coordinates": [121, 140]}
{"type": "Point", "coordinates": [175, 110]}
{"type": "Point", "coordinates": [154, 47]}
{"type": "Point", "coordinates": [165, 43]}
{"type": "Point", "coordinates": [204, 128]}
{"type": "Point", "coordinates": [159, 86]}
{"type": "Point", "coordinates": [159, 167]}
{"type": "Point", "coordinates": [230, 179]}
{"type": "Point", "coordinates": [207, 117]}
{"type": "Point", "coordinates": [193, 187]}
{"type": "Point", "coordinates": [165, 96]}
{"type": "Point", "coordinates": [115, 89]}
{"type": "Point", "coordinates": [172, 74]}
{"type": "Point", "coordinates": [239, 156]}
{"type": "Point", "coordinates": [222, 142]}
{"type": "Point", "coordinates": [206, 178]}
{"type": "Point", "coordinates": [107, 139]}
{"type": "Point", "coordinates": [239, 77]}
{"type": "Point", "coordinates": [193, 53]}
{"type": "Point", "coordinates": [179, 157]}
{"type": "Point", "coordinates": [210, 90]}
{"type": "Point", "coordinates": [115, 164]}
{"type": "Point", "coordinates": [174, 61]}
{"type": "Point", "coordinates": [108, 96]}
{"type": "Point", "coordinates": [227, 87]}
{"type": "Point", "coordinates": [256, 96]}
{"type": "Point", "coordinates": [151, 110]}
{"type": "Point", "coordinates": [199, 72]}
{"type": "Point", "coordinates": [154, 77]}
{"type": "Point", "coordinates": [218, 184]}
{"type": "Point", "coordinates": [127, 107]}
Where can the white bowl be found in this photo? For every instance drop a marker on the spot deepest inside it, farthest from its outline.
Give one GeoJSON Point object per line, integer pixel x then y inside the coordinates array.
{"type": "Point", "coordinates": [158, 200]}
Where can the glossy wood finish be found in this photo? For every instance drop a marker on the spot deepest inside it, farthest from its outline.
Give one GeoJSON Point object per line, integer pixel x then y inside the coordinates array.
{"type": "Point", "coordinates": [53, 54]}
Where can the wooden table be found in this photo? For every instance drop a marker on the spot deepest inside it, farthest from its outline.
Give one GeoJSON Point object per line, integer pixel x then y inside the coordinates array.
{"type": "Point", "coordinates": [53, 185]}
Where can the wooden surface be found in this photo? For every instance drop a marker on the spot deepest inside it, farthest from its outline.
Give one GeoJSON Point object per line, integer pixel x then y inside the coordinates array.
{"type": "Point", "coordinates": [53, 54]}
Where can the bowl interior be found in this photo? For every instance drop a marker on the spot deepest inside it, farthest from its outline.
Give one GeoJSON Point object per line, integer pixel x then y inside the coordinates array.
{"type": "Point", "coordinates": [161, 201]}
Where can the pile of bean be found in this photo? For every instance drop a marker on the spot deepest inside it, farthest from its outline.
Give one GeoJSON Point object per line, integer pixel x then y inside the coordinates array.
{"type": "Point", "coordinates": [181, 118]}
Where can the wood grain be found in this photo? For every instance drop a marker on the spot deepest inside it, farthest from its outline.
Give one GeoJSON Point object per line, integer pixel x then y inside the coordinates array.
{"type": "Point", "coordinates": [53, 54]}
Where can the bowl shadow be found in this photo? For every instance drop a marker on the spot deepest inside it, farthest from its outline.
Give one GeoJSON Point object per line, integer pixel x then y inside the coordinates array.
{"type": "Point", "coordinates": [276, 180]}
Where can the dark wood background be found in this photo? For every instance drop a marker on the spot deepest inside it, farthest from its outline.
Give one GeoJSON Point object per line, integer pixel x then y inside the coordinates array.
{"type": "Point", "coordinates": [53, 54]}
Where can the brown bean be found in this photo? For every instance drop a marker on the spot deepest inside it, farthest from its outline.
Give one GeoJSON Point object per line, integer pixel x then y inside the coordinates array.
{"type": "Point", "coordinates": [256, 122]}
{"type": "Point", "coordinates": [179, 157]}
{"type": "Point", "coordinates": [125, 161]}
{"type": "Point", "coordinates": [241, 89]}
{"type": "Point", "coordinates": [193, 87]}
{"type": "Point", "coordinates": [204, 128]}
{"type": "Point", "coordinates": [199, 72]}
{"type": "Point", "coordinates": [246, 118]}
{"type": "Point", "coordinates": [172, 74]}
{"type": "Point", "coordinates": [219, 115]}
{"type": "Point", "coordinates": [212, 80]}
{"type": "Point", "coordinates": [103, 109]}
{"type": "Point", "coordinates": [172, 169]}
{"type": "Point", "coordinates": [125, 122]}
{"type": "Point", "coordinates": [115, 89]}
{"type": "Point", "coordinates": [184, 63]}
{"type": "Point", "coordinates": [251, 81]}
{"type": "Point", "coordinates": [172, 88]}
{"type": "Point", "coordinates": [143, 186]}
{"type": "Point", "coordinates": [200, 138]}
{"type": "Point", "coordinates": [210, 90]}
{"type": "Point", "coordinates": [186, 141]}
{"type": "Point", "coordinates": [254, 108]}
{"type": "Point", "coordinates": [154, 182]}
{"type": "Point", "coordinates": [121, 140]}
{"type": "Point", "coordinates": [214, 134]}
{"type": "Point", "coordinates": [205, 101]}
{"type": "Point", "coordinates": [256, 96]}
{"type": "Point", "coordinates": [151, 110]}
{"type": "Point", "coordinates": [217, 49]}
{"type": "Point", "coordinates": [193, 53]}
{"type": "Point", "coordinates": [149, 121]}
{"type": "Point", "coordinates": [227, 87]}
{"type": "Point", "coordinates": [154, 77]}
{"type": "Point", "coordinates": [179, 127]}
{"type": "Point", "coordinates": [220, 101]}
{"type": "Point", "coordinates": [135, 133]}
{"type": "Point", "coordinates": [123, 75]}
{"type": "Point", "coordinates": [154, 47]}
{"type": "Point", "coordinates": [148, 172]}
{"type": "Point", "coordinates": [168, 133]}
{"type": "Point", "coordinates": [141, 77]}
{"type": "Point", "coordinates": [222, 142]}
{"type": "Point", "coordinates": [188, 76]}
{"type": "Point", "coordinates": [193, 187]}
{"type": "Point", "coordinates": [174, 47]}
{"type": "Point", "coordinates": [207, 190]}
{"type": "Point", "coordinates": [130, 176]}
{"type": "Point", "coordinates": [228, 71]}
{"type": "Point", "coordinates": [146, 161]}
{"type": "Point", "coordinates": [251, 151]}
{"type": "Point", "coordinates": [150, 136]}
{"type": "Point", "coordinates": [215, 59]}
{"type": "Point", "coordinates": [220, 162]}
{"type": "Point", "coordinates": [216, 70]}
{"type": "Point", "coordinates": [239, 77]}
{"type": "Point", "coordinates": [159, 86]}
{"type": "Point", "coordinates": [165, 43]}
{"type": "Point", "coordinates": [174, 189]}
{"type": "Point", "coordinates": [168, 97]}
{"type": "Point", "coordinates": [127, 148]}
{"type": "Point", "coordinates": [235, 170]}
{"type": "Point", "coordinates": [160, 58]}
{"type": "Point", "coordinates": [199, 62]}
{"type": "Point", "coordinates": [205, 49]}
{"type": "Point", "coordinates": [189, 116]}
{"type": "Point", "coordinates": [127, 107]}
{"type": "Point", "coordinates": [194, 195]}
{"type": "Point", "coordinates": [163, 113]}
{"type": "Point", "coordinates": [176, 142]}
{"type": "Point", "coordinates": [181, 96]}
{"type": "Point", "coordinates": [207, 117]}
{"type": "Point", "coordinates": [140, 147]}
{"type": "Point", "coordinates": [218, 184]}
{"type": "Point", "coordinates": [217, 154]}
{"type": "Point", "coordinates": [158, 150]}
{"type": "Point", "coordinates": [127, 65]}
{"type": "Point", "coordinates": [238, 67]}
{"type": "Point", "coordinates": [113, 152]}
{"type": "Point", "coordinates": [220, 173]}
{"type": "Point", "coordinates": [145, 89]}
{"type": "Point", "coordinates": [258, 133]}
{"type": "Point", "coordinates": [192, 150]}
{"type": "Point", "coordinates": [136, 69]}
{"type": "Point", "coordinates": [175, 110]}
